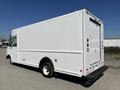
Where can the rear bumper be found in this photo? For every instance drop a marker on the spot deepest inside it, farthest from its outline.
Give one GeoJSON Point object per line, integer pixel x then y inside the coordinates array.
{"type": "Point", "coordinates": [96, 74]}
{"type": "Point", "coordinates": [92, 77]}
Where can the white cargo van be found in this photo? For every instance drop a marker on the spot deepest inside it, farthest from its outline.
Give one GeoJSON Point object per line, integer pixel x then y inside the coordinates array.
{"type": "Point", "coordinates": [70, 44]}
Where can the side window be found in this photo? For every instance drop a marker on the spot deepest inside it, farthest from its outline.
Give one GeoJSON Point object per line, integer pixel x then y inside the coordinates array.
{"type": "Point", "coordinates": [14, 41]}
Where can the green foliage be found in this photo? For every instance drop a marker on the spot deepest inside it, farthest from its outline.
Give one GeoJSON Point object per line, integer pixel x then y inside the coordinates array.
{"type": "Point", "coordinates": [0, 46]}
{"type": "Point", "coordinates": [112, 49]}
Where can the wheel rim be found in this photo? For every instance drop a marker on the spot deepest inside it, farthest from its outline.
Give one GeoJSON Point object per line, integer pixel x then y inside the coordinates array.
{"type": "Point", "coordinates": [46, 70]}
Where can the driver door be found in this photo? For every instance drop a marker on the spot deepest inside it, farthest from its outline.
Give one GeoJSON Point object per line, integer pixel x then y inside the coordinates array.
{"type": "Point", "coordinates": [14, 51]}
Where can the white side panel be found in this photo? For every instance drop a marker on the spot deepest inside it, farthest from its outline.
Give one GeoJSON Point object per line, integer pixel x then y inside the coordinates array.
{"type": "Point", "coordinates": [67, 63]}
{"type": "Point", "coordinates": [60, 34]}
{"type": "Point", "coordinates": [59, 38]}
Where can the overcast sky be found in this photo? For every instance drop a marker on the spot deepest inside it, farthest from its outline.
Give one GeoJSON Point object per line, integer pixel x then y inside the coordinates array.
{"type": "Point", "coordinates": [17, 13]}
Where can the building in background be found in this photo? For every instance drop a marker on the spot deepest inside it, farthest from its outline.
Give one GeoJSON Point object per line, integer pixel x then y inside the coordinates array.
{"type": "Point", "coordinates": [4, 42]}
{"type": "Point", "coordinates": [112, 42]}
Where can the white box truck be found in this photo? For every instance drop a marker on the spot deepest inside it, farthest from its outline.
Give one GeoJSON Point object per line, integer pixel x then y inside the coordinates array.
{"type": "Point", "coordinates": [71, 44]}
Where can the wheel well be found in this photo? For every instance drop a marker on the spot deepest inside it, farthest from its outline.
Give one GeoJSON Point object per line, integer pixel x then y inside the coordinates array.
{"type": "Point", "coordinates": [45, 59]}
{"type": "Point", "coordinates": [8, 57]}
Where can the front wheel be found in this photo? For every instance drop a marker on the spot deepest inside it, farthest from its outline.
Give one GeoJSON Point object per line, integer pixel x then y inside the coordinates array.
{"type": "Point", "coordinates": [47, 70]}
{"type": "Point", "coordinates": [9, 59]}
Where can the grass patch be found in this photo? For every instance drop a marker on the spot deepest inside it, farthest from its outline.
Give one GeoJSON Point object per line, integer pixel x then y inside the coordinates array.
{"type": "Point", "coordinates": [0, 46]}
{"type": "Point", "coordinates": [116, 56]}
{"type": "Point", "coordinates": [113, 51]}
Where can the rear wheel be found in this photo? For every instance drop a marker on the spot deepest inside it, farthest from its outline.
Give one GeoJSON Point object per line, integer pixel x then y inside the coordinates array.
{"type": "Point", "coordinates": [47, 70]}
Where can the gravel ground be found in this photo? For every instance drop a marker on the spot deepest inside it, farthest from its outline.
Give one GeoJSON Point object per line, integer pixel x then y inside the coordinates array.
{"type": "Point", "coordinates": [112, 62]}
{"type": "Point", "coordinates": [16, 77]}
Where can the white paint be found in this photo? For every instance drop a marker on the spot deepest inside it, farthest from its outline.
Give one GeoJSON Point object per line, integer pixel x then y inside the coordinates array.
{"type": "Point", "coordinates": [64, 40]}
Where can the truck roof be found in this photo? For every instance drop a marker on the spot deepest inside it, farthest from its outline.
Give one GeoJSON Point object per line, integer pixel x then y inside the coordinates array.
{"type": "Point", "coordinates": [57, 18]}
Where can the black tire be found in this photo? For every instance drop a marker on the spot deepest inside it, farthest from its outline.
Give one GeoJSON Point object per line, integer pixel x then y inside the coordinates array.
{"type": "Point", "coordinates": [47, 70]}
{"type": "Point", "coordinates": [9, 58]}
